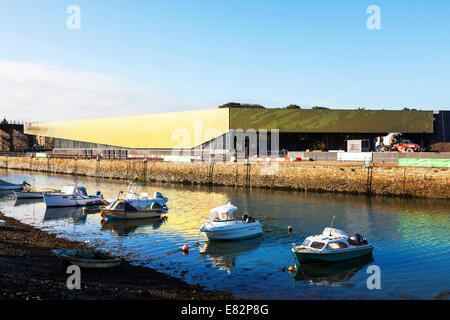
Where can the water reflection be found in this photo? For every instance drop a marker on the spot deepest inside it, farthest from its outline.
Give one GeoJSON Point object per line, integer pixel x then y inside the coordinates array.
{"type": "Point", "coordinates": [403, 231]}
{"type": "Point", "coordinates": [76, 213]}
{"type": "Point", "coordinates": [223, 254]}
{"type": "Point", "coordinates": [128, 227]}
{"type": "Point", "coordinates": [336, 273]}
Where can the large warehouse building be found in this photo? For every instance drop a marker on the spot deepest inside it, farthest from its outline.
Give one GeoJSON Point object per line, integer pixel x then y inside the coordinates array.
{"type": "Point", "coordinates": [227, 131]}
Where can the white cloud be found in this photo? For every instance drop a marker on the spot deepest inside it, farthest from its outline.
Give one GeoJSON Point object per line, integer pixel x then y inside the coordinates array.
{"type": "Point", "coordinates": [44, 92]}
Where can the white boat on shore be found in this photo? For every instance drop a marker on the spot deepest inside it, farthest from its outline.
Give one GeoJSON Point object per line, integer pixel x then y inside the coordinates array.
{"type": "Point", "coordinates": [87, 258]}
{"type": "Point", "coordinates": [72, 196]}
{"type": "Point", "coordinates": [223, 225]}
{"type": "Point", "coordinates": [5, 185]}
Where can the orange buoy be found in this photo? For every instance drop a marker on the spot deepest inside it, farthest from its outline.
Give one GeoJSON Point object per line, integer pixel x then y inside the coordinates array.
{"type": "Point", "coordinates": [185, 248]}
{"type": "Point", "coordinates": [291, 269]}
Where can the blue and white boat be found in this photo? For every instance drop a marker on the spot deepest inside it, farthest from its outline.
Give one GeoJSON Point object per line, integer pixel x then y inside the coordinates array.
{"type": "Point", "coordinates": [332, 245]}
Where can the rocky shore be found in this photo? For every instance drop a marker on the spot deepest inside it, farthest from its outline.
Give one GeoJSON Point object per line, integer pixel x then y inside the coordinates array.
{"type": "Point", "coordinates": [29, 271]}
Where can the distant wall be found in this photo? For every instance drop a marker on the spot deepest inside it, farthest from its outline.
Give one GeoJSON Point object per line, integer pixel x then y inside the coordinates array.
{"type": "Point", "coordinates": [309, 176]}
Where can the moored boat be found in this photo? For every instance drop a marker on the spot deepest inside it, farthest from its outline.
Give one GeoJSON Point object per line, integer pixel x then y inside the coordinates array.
{"type": "Point", "coordinates": [123, 210]}
{"type": "Point", "coordinates": [27, 195]}
{"type": "Point", "coordinates": [5, 185]}
{"type": "Point", "coordinates": [72, 196]}
{"type": "Point", "coordinates": [223, 225]}
{"type": "Point", "coordinates": [87, 258]}
{"type": "Point", "coordinates": [140, 199]}
{"type": "Point", "coordinates": [332, 245]}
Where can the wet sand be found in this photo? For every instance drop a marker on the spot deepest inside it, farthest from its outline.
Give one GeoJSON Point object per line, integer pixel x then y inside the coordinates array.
{"type": "Point", "coordinates": [29, 271]}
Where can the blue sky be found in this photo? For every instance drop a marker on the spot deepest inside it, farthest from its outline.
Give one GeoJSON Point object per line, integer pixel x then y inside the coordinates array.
{"type": "Point", "coordinates": [157, 56]}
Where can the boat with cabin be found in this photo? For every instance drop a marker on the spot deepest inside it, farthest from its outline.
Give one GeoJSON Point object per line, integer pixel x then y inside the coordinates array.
{"type": "Point", "coordinates": [123, 209]}
{"type": "Point", "coordinates": [332, 245]}
{"type": "Point", "coordinates": [72, 196]}
{"type": "Point", "coordinates": [223, 225]}
{"type": "Point", "coordinates": [140, 199]}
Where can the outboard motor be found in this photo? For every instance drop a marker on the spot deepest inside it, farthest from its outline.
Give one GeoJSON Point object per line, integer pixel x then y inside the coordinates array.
{"type": "Point", "coordinates": [357, 237]}
{"type": "Point", "coordinates": [247, 219]}
{"type": "Point", "coordinates": [158, 195]}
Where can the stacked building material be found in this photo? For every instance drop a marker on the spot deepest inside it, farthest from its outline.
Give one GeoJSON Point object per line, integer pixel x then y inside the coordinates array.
{"type": "Point", "coordinates": [4, 141]}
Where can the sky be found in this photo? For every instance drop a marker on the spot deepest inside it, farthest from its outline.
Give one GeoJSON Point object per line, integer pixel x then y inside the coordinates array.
{"type": "Point", "coordinates": [139, 57]}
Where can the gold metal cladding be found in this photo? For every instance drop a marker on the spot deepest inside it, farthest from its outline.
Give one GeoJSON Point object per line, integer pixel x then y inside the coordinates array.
{"type": "Point", "coordinates": [161, 130]}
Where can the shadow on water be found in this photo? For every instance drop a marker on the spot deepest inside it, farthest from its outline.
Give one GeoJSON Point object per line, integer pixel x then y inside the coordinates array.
{"type": "Point", "coordinates": [128, 227]}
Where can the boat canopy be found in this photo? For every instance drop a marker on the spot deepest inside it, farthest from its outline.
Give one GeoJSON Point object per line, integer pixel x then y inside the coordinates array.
{"type": "Point", "coordinates": [334, 232]}
{"type": "Point", "coordinates": [74, 189]}
{"type": "Point", "coordinates": [223, 213]}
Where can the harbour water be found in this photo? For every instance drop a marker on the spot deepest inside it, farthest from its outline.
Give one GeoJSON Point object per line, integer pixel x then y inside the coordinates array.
{"type": "Point", "coordinates": [411, 238]}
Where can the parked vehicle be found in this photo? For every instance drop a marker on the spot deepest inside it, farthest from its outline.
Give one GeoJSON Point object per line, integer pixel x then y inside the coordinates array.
{"type": "Point", "coordinates": [393, 142]}
{"type": "Point", "coordinates": [222, 225]}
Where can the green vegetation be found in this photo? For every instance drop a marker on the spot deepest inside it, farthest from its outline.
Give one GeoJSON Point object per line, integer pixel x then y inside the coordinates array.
{"type": "Point", "coordinates": [293, 106]}
{"type": "Point", "coordinates": [320, 108]}
{"type": "Point", "coordinates": [239, 105]}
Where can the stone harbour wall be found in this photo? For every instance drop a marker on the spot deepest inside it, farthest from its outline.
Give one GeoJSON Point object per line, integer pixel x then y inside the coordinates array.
{"type": "Point", "coordinates": [309, 176]}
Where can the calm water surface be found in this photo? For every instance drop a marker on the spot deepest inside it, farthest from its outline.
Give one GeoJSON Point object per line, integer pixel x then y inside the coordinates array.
{"type": "Point", "coordinates": [411, 238]}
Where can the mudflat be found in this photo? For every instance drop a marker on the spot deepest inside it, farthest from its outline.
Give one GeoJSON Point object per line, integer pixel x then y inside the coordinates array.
{"type": "Point", "coordinates": [29, 271]}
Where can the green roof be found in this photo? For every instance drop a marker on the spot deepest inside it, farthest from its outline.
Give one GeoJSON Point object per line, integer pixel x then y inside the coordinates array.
{"type": "Point", "coordinates": [333, 121]}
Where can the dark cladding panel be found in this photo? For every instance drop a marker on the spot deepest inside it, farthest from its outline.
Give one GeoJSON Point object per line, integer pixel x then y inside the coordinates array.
{"type": "Point", "coordinates": [332, 121]}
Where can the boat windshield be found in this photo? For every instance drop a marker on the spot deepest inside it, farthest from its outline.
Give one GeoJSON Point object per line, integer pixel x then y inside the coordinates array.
{"type": "Point", "coordinates": [82, 191]}
{"type": "Point", "coordinates": [317, 245]}
{"type": "Point", "coordinates": [68, 190]}
{"type": "Point", "coordinates": [222, 216]}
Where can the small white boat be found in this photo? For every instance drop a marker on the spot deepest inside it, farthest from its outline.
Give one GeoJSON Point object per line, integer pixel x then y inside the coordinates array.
{"type": "Point", "coordinates": [27, 195]}
{"type": "Point", "coordinates": [222, 225]}
{"type": "Point", "coordinates": [72, 196]}
{"type": "Point", "coordinates": [140, 199]}
{"type": "Point", "coordinates": [332, 245]}
{"type": "Point", "coordinates": [87, 258]}
{"type": "Point", "coordinates": [5, 185]}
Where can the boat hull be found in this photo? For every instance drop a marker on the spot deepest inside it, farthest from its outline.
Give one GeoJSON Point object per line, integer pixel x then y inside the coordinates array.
{"type": "Point", "coordinates": [246, 232]}
{"type": "Point", "coordinates": [28, 195]}
{"type": "Point", "coordinates": [306, 257]}
{"type": "Point", "coordinates": [131, 215]}
{"type": "Point", "coordinates": [86, 259]}
{"type": "Point", "coordinates": [56, 200]}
